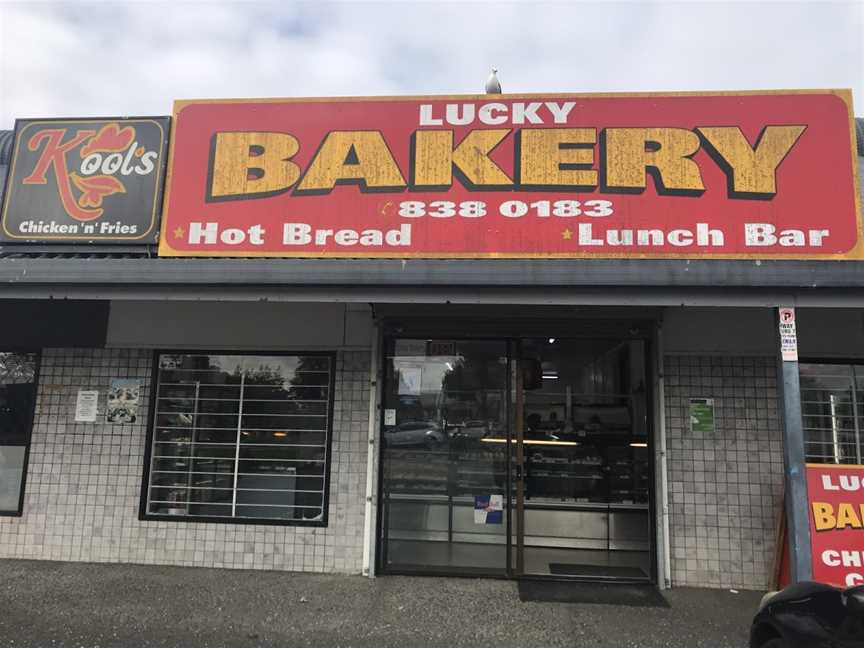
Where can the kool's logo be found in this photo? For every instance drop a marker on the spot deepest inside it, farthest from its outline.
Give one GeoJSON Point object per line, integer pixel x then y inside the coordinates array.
{"type": "Point", "coordinates": [105, 158]}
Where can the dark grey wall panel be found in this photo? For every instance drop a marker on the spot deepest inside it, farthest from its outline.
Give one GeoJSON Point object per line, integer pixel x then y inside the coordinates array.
{"type": "Point", "coordinates": [37, 324]}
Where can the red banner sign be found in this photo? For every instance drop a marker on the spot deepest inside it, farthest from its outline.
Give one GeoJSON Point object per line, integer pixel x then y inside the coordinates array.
{"type": "Point", "coordinates": [836, 495]}
{"type": "Point", "coordinates": [726, 175]}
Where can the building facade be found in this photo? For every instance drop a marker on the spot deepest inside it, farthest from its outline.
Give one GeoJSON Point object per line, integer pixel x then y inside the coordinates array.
{"type": "Point", "coordinates": [606, 419]}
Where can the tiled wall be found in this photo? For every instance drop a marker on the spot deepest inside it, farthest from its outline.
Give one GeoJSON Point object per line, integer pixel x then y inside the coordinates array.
{"type": "Point", "coordinates": [84, 479]}
{"type": "Point", "coordinates": [84, 482]}
{"type": "Point", "coordinates": [725, 488]}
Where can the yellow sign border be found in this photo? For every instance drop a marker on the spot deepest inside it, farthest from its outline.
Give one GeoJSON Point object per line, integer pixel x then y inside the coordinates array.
{"type": "Point", "coordinates": [856, 253]}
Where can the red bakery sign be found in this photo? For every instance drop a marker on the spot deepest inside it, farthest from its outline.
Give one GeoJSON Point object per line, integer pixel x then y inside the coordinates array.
{"type": "Point", "coordinates": [836, 495]}
{"type": "Point", "coordinates": [726, 175]}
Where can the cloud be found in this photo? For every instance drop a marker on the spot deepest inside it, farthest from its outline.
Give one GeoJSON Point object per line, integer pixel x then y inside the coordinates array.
{"type": "Point", "coordinates": [80, 59]}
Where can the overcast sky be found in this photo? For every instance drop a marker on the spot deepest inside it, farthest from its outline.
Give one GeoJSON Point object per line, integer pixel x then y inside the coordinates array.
{"type": "Point", "coordinates": [134, 58]}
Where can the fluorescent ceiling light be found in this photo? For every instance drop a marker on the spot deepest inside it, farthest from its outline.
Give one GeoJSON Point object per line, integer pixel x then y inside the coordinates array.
{"type": "Point", "coordinates": [532, 442]}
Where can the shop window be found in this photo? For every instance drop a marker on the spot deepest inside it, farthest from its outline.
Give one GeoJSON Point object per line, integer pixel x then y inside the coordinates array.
{"type": "Point", "coordinates": [832, 407]}
{"type": "Point", "coordinates": [240, 438]}
{"type": "Point", "coordinates": [17, 402]}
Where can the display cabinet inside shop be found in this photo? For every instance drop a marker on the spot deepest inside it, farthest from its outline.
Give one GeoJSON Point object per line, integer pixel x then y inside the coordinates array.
{"type": "Point", "coordinates": [608, 480]}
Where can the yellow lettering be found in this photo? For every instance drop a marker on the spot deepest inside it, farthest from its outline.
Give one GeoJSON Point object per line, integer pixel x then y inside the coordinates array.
{"type": "Point", "coordinates": [250, 164]}
{"type": "Point", "coordinates": [663, 152]}
{"type": "Point", "coordinates": [557, 157]}
{"type": "Point", "coordinates": [435, 157]}
{"type": "Point", "coordinates": [352, 157]}
{"type": "Point", "coordinates": [846, 516]}
{"type": "Point", "coordinates": [823, 516]}
{"type": "Point", "coordinates": [751, 171]}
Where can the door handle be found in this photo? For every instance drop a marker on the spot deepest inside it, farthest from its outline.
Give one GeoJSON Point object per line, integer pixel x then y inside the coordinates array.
{"type": "Point", "coordinates": [518, 471]}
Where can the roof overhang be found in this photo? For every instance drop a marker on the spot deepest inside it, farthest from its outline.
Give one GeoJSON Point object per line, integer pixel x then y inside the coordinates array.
{"type": "Point", "coordinates": [630, 282]}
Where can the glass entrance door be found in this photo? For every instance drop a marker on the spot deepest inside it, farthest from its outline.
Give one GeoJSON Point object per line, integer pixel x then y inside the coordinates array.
{"type": "Point", "coordinates": [444, 457]}
{"type": "Point", "coordinates": [516, 457]}
{"type": "Point", "coordinates": [581, 460]}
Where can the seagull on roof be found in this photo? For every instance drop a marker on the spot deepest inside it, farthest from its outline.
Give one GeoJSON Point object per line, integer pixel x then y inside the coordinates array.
{"type": "Point", "coordinates": [492, 84]}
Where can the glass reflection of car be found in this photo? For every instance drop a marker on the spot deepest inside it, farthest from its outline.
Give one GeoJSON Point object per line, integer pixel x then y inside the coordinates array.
{"type": "Point", "coordinates": [415, 433]}
{"type": "Point", "coordinates": [810, 615]}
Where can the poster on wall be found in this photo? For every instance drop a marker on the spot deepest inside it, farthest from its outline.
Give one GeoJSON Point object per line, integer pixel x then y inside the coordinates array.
{"type": "Point", "coordinates": [836, 495]}
{"type": "Point", "coordinates": [85, 181]}
{"type": "Point", "coordinates": [702, 415]}
{"type": "Point", "coordinates": [755, 174]}
{"type": "Point", "coordinates": [123, 399]}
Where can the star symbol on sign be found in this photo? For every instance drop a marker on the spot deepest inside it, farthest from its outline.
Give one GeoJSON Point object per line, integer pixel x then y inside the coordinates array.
{"type": "Point", "coordinates": [179, 233]}
{"type": "Point", "coordinates": [567, 234]}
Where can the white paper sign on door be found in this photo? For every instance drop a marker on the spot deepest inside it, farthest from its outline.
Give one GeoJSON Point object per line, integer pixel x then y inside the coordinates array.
{"type": "Point", "coordinates": [410, 381]}
{"type": "Point", "coordinates": [389, 417]}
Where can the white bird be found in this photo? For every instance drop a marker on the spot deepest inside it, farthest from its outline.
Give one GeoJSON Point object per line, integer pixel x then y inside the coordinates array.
{"type": "Point", "coordinates": [492, 84]}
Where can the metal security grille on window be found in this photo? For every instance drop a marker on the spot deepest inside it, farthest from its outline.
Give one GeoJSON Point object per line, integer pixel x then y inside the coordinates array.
{"type": "Point", "coordinates": [832, 406]}
{"type": "Point", "coordinates": [241, 437]}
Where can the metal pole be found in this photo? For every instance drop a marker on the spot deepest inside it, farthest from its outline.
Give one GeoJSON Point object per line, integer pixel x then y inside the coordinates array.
{"type": "Point", "coordinates": [797, 519]}
{"type": "Point", "coordinates": [855, 416]}
{"type": "Point", "coordinates": [662, 463]}
{"type": "Point", "coordinates": [369, 534]}
{"type": "Point", "coordinates": [237, 447]}
{"type": "Point", "coordinates": [518, 426]}
{"type": "Point", "coordinates": [194, 432]}
{"type": "Point", "coordinates": [835, 432]}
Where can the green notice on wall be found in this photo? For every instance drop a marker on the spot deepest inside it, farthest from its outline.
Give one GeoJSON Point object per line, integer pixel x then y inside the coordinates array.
{"type": "Point", "coordinates": [701, 414]}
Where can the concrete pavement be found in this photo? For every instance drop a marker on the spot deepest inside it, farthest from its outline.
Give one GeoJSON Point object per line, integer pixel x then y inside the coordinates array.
{"type": "Point", "coordinates": [74, 605]}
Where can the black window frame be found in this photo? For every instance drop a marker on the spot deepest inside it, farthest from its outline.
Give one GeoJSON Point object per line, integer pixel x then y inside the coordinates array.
{"type": "Point", "coordinates": [37, 363]}
{"type": "Point", "coordinates": [143, 515]}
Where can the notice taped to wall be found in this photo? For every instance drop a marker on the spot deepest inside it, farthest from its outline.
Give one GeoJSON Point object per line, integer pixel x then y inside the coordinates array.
{"type": "Point", "coordinates": [702, 415]}
{"type": "Point", "coordinates": [86, 405]}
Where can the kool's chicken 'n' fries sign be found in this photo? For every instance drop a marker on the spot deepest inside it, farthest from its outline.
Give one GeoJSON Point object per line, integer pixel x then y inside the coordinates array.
{"type": "Point", "coordinates": [85, 181]}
